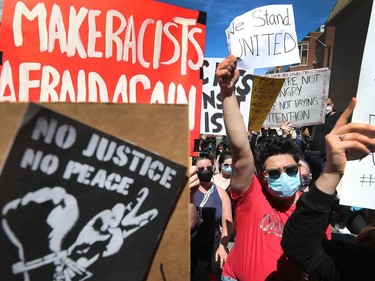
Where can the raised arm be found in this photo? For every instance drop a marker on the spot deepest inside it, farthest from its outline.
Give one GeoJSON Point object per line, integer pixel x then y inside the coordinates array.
{"type": "Point", "coordinates": [352, 141]}
{"type": "Point", "coordinates": [304, 231]}
{"type": "Point", "coordinates": [243, 161]}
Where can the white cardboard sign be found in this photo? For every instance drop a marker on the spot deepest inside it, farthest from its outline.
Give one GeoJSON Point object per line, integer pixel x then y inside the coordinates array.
{"type": "Point", "coordinates": [357, 187]}
{"type": "Point", "coordinates": [302, 99]}
{"type": "Point", "coordinates": [264, 37]}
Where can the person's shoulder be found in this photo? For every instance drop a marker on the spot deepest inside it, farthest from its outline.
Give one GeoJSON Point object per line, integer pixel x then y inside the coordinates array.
{"type": "Point", "coordinates": [334, 116]}
{"type": "Point", "coordinates": [220, 190]}
{"type": "Point", "coordinates": [339, 112]}
{"type": "Point", "coordinates": [217, 177]}
{"type": "Point", "coordinates": [222, 193]}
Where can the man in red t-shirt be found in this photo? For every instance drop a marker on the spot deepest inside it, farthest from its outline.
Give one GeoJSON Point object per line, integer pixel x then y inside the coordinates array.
{"type": "Point", "coordinates": [263, 201]}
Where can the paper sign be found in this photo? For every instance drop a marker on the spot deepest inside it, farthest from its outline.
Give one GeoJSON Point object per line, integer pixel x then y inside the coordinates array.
{"type": "Point", "coordinates": [264, 93]}
{"type": "Point", "coordinates": [79, 204]}
{"type": "Point", "coordinates": [212, 115]}
{"type": "Point", "coordinates": [264, 37]}
{"type": "Point", "coordinates": [302, 99]}
{"type": "Point", "coordinates": [357, 187]}
{"type": "Point", "coordinates": [102, 51]}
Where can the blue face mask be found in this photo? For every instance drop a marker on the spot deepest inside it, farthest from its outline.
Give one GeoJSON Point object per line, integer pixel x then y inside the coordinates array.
{"type": "Point", "coordinates": [228, 170]}
{"type": "Point", "coordinates": [284, 186]}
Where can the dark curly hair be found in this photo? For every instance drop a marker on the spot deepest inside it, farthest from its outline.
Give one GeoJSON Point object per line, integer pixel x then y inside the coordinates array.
{"type": "Point", "coordinates": [275, 145]}
{"type": "Point", "coordinates": [205, 154]}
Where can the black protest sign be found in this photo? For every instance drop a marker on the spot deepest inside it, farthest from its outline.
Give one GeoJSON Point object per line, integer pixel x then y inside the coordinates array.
{"type": "Point", "coordinates": [79, 204]}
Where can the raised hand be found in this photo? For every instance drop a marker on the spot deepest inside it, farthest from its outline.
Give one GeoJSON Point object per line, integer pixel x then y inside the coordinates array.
{"type": "Point", "coordinates": [227, 74]}
{"type": "Point", "coordinates": [346, 141]}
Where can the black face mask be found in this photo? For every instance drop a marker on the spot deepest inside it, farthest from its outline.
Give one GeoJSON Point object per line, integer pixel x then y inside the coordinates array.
{"type": "Point", "coordinates": [205, 176]}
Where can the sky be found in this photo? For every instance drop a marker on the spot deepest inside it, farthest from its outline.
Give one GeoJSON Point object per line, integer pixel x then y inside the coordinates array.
{"type": "Point", "coordinates": [309, 16]}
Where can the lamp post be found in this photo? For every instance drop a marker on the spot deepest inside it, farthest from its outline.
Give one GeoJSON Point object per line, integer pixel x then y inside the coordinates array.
{"type": "Point", "coordinates": [324, 45]}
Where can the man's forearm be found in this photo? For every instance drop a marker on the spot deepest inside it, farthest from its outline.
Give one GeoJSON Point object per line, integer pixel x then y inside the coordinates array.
{"type": "Point", "coordinates": [234, 123]}
{"type": "Point", "coordinates": [305, 231]}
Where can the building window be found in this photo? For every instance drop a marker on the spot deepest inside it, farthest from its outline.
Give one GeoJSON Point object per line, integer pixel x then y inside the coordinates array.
{"type": "Point", "coordinates": [303, 52]}
{"type": "Point", "coordinates": [303, 48]}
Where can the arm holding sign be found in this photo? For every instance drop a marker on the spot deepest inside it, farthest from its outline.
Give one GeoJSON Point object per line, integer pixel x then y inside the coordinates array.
{"type": "Point", "coordinates": [304, 231]}
{"type": "Point", "coordinates": [243, 161]}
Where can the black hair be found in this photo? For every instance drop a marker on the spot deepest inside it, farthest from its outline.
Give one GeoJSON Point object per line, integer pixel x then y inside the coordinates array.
{"type": "Point", "coordinates": [275, 145]}
{"type": "Point", "coordinates": [223, 156]}
{"type": "Point", "coordinates": [223, 144]}
{"type": "Point", "coordinates": [268, 132]}
{"type": "Point", "coordinates": [217, 151]}
{"type": "Point", "coordinates": [206, 154]}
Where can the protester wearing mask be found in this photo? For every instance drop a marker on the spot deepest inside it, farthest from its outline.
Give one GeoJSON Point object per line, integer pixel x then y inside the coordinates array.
{"type": "Point", "coordinates": [314, 136]}
{"type": "Point", "coordinates": [214, 223]}
{"type": "Point", "coordinates": [329, 107]}
{"type": "Point", "coordinates": [305, 174]}
{"type": "Point", "coordinates": [222, 178]}
{"type": "Point", "coordinates": [263, 200]}
{"type": "Point", "coordinates": [220, 148]}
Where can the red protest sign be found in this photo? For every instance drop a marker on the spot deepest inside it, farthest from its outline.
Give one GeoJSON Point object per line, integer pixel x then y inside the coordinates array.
{"type": "Point", "coordinates": [102, 51]}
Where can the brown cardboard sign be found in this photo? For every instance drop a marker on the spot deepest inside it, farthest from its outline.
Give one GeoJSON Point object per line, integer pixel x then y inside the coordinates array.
{"type": "Point", "coordinates": [81, 204]}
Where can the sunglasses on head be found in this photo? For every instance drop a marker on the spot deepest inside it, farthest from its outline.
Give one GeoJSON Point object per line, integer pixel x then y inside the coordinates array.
{"type": "Point", "coordinates": [209, 168]}
{"type": "Point", "coordinates": [290, 170]}
{"type": "Point", "coordinates": [226, 165]}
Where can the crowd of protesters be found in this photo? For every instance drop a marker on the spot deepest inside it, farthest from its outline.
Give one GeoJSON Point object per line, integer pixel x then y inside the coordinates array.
{"type": "Point", "coordinates": [214, 168]}
{"type": "Point", "coordinates": [281, 209]}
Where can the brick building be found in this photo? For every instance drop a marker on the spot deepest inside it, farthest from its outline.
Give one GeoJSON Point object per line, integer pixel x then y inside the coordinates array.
{"type": "Point", "coordinates": [349, 24]}
{"type": "Point", "coordinates": [338, 44]}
